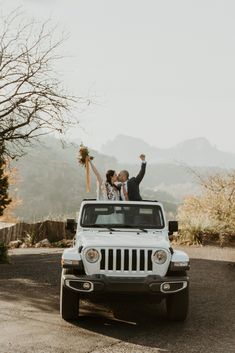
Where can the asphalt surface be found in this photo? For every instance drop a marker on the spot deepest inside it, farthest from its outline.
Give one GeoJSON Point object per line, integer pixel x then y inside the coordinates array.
{"type": "Point", "coordinates": [30, 320]}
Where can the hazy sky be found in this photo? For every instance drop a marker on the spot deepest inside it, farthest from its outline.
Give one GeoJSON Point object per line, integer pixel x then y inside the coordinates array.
{"type": "Point", "coordinates": [162, 70]}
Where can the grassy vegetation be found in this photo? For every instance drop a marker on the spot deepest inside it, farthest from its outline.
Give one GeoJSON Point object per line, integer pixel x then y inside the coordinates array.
{"type": "Point", "coordinates": [3, 253]}
{"type": "Point", "coordinates": [210, 217]}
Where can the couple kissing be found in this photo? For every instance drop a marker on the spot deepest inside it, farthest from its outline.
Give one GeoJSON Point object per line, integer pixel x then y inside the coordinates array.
{"type": "Point", "coordinates": [119, 186]}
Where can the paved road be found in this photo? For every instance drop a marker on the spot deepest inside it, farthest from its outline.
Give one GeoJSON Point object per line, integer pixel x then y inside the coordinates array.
{"type": "Point", "coordinates": [30, 321]}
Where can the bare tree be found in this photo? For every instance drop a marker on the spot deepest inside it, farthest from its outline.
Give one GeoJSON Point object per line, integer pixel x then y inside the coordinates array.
{"type": "Point", "coordinates": [32, 100]}
{"type": "Point", "coordinates": [4, 184]}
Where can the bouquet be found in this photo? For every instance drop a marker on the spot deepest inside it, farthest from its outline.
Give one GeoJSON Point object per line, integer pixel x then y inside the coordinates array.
{"type": "Point", "coordinates": [83, 160]}
{"type": "Point", "coordinates": [83, 155]}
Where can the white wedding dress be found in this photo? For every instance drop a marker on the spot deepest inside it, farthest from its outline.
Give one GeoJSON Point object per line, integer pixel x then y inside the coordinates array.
{"type": "Point", "coordinates": [105, 191]}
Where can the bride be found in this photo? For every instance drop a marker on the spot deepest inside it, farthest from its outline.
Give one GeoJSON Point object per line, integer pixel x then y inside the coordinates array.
{"type": "Point", "coordinates": [107, 190]}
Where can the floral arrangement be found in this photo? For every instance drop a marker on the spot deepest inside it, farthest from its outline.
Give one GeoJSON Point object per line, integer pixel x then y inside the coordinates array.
{"type": "Point", "coordinates": [83, 154]}
{"type": "Point", "coordinates": [83, 160]}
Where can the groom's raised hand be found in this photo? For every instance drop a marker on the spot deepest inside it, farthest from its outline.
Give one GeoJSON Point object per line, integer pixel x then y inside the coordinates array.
{"type": "Point", "coordinates": [142, 157]}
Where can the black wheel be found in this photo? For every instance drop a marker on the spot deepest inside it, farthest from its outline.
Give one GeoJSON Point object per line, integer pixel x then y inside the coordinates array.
{"type": "Point", "coordinates": [177, 305]}
{"type": "Point", "coordinates": [69, 303]}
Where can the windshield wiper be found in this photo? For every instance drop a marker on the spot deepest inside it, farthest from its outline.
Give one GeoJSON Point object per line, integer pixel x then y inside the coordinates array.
{"type": "Point", "coordinates": [119, 226]}
{"type": "Point", "coordinates": [143, 230]}
{"type": "Point", "coordinates": [133, 227]}
{"type": "Point", "coordinates": [99, 226]}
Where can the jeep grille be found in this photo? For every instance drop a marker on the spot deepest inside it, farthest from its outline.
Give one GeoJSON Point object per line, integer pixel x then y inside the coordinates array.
{"type": "Point", "coordinates": [130, 260]}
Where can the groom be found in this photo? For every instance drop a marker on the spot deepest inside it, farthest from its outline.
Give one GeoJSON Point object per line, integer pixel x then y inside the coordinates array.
{"type": "Point", "coordinates": [130, 187]}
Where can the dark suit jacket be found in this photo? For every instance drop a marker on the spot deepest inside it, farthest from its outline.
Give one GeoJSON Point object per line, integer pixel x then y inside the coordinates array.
{"type": "Point", "coordinates": [133, 185]}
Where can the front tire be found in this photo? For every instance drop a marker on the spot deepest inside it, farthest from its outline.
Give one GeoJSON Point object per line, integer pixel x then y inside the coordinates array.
{"type": "Point", "coordinates": [177, 305]}
{"type": "Point", "coordinates": [69, 303]}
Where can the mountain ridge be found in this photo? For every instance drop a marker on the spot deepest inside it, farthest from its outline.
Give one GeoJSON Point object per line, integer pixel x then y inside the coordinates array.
{"type": "Point", "coordinates": [196, 152]}
{"type": "Point", "coordinates": [51, 184]}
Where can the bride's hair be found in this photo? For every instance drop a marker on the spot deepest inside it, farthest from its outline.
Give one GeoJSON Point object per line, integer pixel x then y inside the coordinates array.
{"type": "Point", "coordinates": [110, 173]}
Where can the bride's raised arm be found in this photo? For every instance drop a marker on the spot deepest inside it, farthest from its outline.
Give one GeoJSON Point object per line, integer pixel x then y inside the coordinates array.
{"type": "Point", "coordinates": [97, 174]}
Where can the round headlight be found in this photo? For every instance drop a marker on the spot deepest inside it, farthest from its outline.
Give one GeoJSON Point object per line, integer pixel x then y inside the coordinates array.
{"type": "Point", "coordinates": [160, 257]}
{"type": "Point", "coordinates": [92, 255]}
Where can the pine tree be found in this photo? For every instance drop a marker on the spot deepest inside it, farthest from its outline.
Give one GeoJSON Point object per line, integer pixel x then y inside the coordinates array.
{"type": "Point", "coordinates": [4, 199]}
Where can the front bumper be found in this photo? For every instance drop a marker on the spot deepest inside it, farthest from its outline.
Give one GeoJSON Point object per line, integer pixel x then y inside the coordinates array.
{"type": "Point", "coordinates": [101, 283]}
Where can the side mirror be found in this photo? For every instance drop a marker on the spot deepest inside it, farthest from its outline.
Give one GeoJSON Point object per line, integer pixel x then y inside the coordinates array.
{"type": "Point", "coordinates": [172, 227]}
{"type": "Point", "coordinates": [71, 225]}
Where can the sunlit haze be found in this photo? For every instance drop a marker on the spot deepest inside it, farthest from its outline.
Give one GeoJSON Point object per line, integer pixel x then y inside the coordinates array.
{"type": "Point", "coordinates": [162, 71]}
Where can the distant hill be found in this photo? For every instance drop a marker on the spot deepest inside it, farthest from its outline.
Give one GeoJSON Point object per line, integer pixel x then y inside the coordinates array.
{"type": "Point", "coordinates": [52, 184]}
{"type": "Point", "coordinates": [196, 152]}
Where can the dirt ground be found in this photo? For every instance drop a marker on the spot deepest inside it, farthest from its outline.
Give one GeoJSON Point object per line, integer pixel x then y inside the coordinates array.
{"type": "Point", "coordinates": [30, 320]}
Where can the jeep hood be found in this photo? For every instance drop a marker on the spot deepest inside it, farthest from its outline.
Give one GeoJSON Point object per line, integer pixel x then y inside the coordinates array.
{"type": "Point", "coordinates": [132, 239]}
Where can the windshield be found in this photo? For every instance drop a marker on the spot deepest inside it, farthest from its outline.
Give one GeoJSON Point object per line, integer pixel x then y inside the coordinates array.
{"type": "Point", "coordinates": [128, 216]}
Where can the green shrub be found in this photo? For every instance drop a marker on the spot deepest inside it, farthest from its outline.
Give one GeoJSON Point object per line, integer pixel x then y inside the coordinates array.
{"type": "Point", "coordinates": [3, 253]}
{"type": "Point", "coordinates": [30, 238]}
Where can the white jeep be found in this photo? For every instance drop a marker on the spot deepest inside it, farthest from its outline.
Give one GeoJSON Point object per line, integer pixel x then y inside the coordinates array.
{"type": "Point", "coordinates": [123, 247]}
